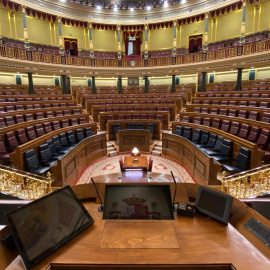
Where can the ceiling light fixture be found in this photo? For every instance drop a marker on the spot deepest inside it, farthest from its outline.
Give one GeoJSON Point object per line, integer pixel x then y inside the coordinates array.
{"type": "Point", "coordinates": [148, 7]}
{"type": "Point", "coordinates": [115, 8]}
{"type": "Point", "coordinates": [98, 7]}
{"type": "Point", "coordinates": [132, 9]}
{"type": "Point", "coordinates": [166, 4]}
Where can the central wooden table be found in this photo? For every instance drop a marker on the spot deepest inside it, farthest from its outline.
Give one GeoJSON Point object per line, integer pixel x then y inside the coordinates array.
{"type": "Point", "coordinates": [141, 164]}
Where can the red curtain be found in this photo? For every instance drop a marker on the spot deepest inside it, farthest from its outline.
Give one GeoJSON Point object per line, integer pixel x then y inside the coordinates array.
{"type": "Point", "coordinates": [195, 43]}
{"type": "Point", "coordinates": [71, 46]}
{"type": "Point", "coordinates": [138, 35]}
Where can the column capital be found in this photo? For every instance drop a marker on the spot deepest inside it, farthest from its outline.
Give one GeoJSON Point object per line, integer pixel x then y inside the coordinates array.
{"type": "Point", "coordinates": [175, 22]}
{"type": "Point", "coordinates": [118, 26]}
{"type": "Point", "coordinates": [206, 14]}
{"type": "Point", "coordinates": [23, 8]}
{"type": "Point", "coordinates": [59, 19]}
{"type": "Point", "coordinates": [90, 24]}
{"type": "Point", "coordinates": [244, 2]}
{"type": "Point", "coordinates": [146, 26]}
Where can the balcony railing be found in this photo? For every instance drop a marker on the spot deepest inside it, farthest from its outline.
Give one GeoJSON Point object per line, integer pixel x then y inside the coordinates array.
{"type": "Point", "coordinates": [247, 184]}
{"type": "Point", "coordinates": [23, 184]}
{"type": "Point", "coordinates": [229, 52]}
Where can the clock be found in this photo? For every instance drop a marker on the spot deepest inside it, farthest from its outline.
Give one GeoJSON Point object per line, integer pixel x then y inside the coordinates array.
{"type": "Point", "coordinates": [132, 63]}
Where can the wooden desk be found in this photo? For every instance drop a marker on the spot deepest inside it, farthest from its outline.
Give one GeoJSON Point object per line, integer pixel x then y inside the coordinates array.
{"type": "Point", "coordinates": [141, 164]}
{"type": "Point", "coordinates": [183, 243]}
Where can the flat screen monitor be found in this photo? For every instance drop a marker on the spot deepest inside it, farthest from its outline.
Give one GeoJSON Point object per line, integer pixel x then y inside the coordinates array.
{"type": "Point", "coordinates": [44, 225]}
{"type": "Point", "coordinates": [214, 203]}
{"type": "Point", "coordinates": [138, 202]}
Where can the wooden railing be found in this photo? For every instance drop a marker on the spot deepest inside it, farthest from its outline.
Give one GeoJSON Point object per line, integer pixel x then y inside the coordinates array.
{"type": "Point", "coordinates": [229, 52]}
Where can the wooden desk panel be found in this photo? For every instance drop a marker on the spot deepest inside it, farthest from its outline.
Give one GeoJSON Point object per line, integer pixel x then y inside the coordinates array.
{"type": "Point", "coordinates": [141, 164]}
{"type": "Point", "coordinates": [103, 117]}
{"type": "Point", "coordinates": [71, 165]}
{"type": "Point", "coordinates": [124, 124]}
{"type": "Point", "coordinates": [172, 109]}
{"type": "Point", "coordinates": [202, 168]}
{"type": "Point", "coordinates": [127, 139]}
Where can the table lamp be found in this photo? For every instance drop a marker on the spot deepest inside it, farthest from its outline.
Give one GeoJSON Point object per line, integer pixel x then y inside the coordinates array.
{"type": "Point", "coordinates": [135, 151]}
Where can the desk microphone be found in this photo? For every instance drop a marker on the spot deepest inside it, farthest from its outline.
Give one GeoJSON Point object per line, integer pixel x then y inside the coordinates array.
{"type": "Point", "coordinates": [175, 189]}
{"type": "Point", "coordinates": [100, 208]}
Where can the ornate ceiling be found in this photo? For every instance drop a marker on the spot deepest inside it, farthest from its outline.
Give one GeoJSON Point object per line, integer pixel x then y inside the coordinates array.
{"type": "Point", "coordinates": [78, 10]}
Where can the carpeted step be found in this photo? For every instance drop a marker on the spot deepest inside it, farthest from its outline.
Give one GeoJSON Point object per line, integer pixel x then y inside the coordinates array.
{"type": "Point", "coordinates": [158, 148]}
{"type": "Point", "coordinates": [159, 144]}
{"type": "Point", "coordinates": [112, 153]}
{"type": "Point", "coordinates": [156, 153]}
{"type": "Point", "coordinates": [110, 148]}
{"type": "Point", "coordinates": [108, 144]}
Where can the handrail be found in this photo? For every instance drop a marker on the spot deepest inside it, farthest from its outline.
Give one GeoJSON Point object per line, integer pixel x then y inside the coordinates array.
{"type": "Point", "coordinates": [247, 184]}
{"type": "Point", "coordinates": [227, 52]}
{"type": "Point", "coordinates": [24, 184]}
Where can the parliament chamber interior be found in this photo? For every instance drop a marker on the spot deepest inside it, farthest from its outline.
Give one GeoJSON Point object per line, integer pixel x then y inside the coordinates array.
{"type": "Point", "coordinates": [134, 134]}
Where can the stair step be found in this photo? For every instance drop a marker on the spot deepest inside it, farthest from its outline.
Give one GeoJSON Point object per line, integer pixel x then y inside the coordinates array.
{"type": "Point", "coordinates": [156, 153]}
{"type": "Point", "coordinates": [159, 144]}
{"type": "Point", "coordinates": [158, 148]}
{"type": "Point", "coordinates": [108, 144]}
{"type": "Point", "coordinates": [112, 153]}
{"type": "Point", "coordinates": [110, 148]}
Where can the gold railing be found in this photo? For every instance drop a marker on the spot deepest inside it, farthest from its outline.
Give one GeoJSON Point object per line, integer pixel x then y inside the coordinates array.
{"type": "Point", "coordinates": [247, 184]}
{"type": "Point", "coordinates": [23, 184]}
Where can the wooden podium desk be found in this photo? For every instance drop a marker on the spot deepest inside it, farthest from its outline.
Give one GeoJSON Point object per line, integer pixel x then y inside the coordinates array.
{"type": "Point", "coordinates": [141, 164]}
{"type": "Point", "coordinates": [182, 243]}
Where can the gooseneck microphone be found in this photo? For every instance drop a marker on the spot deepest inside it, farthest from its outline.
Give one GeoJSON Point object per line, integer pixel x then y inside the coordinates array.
{"type": "Point", "coordinates": [175, 189]}
{"type": "Point", "coordinates": [100, 208]}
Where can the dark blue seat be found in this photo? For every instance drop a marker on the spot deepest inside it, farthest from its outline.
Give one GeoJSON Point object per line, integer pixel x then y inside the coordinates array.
{"type": "Point", "coordinates": [203, 140]}
{"type": "Point", "coordinates": [241, 163]}
{"type": "Point", "coordinates": [46, 156]}
{"type": "Point", "coordinates": [216, 149]}
{"type": "Point", "coordinates": [88, 132]}
{"type": "Point", "coordinates": [64, 141]}
{"type": "Point", "coordinates": [116, 127]}
{"type": "Point", "coordinates": [71, 138]}
{"type": "Point", "coordinates": [178, 130]}
{"type": "Point", "coordinates": [131, 126]}
{"type": "Point", "coordinates": [151, 127]}
{"type": "Point", "coordinates": [225, 153]}
{"type": "Point", "coordinates": [58, 145]}
{"type": "Point", "coordinates": [211, 142]}
{"type": "Point", "coordinates": [79, 135]}
{"type": "Point", "coordinates": [31, 163]}
{"type": "Point", "coordinates": [196, 136]}
{"type": "Point", "coordinates": [140, 126]}
{"type": "Point", "coordinates": [187, 132]}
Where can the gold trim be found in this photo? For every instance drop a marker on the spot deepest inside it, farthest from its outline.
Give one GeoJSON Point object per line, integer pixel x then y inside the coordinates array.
{"type": "Point", "coordinates": [259, 19]}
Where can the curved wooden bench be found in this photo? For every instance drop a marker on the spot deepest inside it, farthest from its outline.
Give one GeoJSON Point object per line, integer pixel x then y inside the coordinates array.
{"type": "Point", "coordinates": [71, 165]}
{"type": "Point", "coordinates": [256, 153]}
{"type": "Point", "coordinates": [17, 156]}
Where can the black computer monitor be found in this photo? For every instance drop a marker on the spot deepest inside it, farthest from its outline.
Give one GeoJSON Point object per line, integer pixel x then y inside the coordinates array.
{"type": "Point", "coordinates": [44, 225]}
{"type": "Point", "coordinates": [214, 203]}
{"type": "Point", "coordinates": [138, 202]}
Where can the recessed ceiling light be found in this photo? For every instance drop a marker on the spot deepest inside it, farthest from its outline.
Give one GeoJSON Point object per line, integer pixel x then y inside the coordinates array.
{"type": "Point", "coordinates": [98, 7]}
{"type": "Point", "coordinates": [132, 9]}
{"type": "Point", "coordinates": [63, 0]}
{"type": "Point", "coordinates": [183, 1]}
{"type": "Point", "coordinates": [115, 8]}
{"type": "Point", "coordinates": [166, 4]}
{"type": "Point", "coordinates": [148, 7]}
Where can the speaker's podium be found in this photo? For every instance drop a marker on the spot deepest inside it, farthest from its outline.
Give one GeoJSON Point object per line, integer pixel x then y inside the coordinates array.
{"type": "Point", "coordinates": [181, 243]}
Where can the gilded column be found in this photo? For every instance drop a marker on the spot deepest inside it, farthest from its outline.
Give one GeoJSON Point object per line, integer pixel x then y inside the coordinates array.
{"type": "Point", "coordinates": [25, 32]}
{"type": "Point", "coordinates": [205, 41]}
{"type": "Point", "coordinates": [243, 25]}
{"type": "Point", "coordinates": [60, 36]}
{"type": "Point", "coordinates": [146, 42]}
{"type": "Point", "coordinates": [174, 38]}
{"type": "Point", "coordinates": [91, 40]}
{"type": "Point", "coordinates": [118, 42]}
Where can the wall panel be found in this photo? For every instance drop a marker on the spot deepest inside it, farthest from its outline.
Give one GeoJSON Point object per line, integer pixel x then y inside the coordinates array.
{"type": "Point", "coordinates": [75, 33]}
{"type": "Point", "coordinates": [38, 30]}
{"type": "Point", "coordinates": [4, 23]}
{"type": "Point", "coordinates": [264, 23]}
{"type": "Point", "coordinates": [191, 30]}
{"type": "Point", "coordinates": [161, 39]}
{"type": "Point", "coordinates": [229, 25]}
{"type": "Point", "coordinates": [104, 40]}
